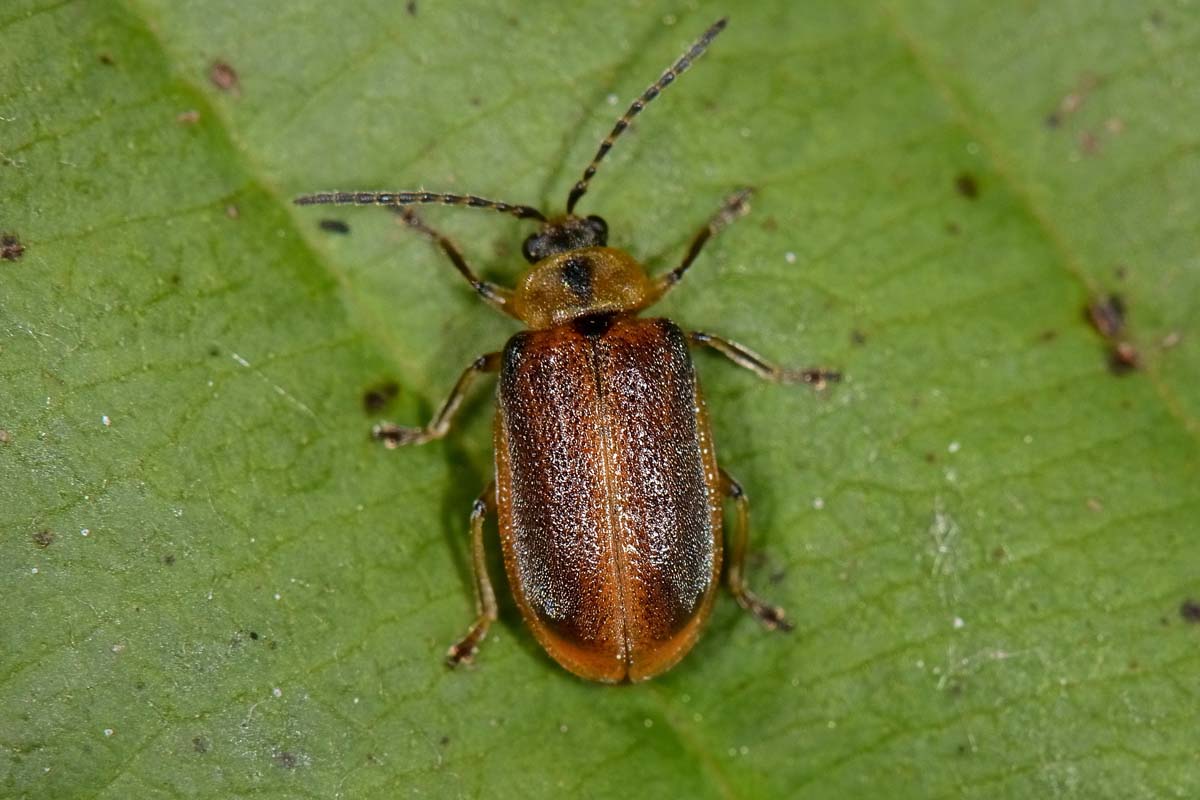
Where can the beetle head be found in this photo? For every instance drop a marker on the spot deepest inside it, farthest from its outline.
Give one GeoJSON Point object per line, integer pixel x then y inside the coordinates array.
{"type": "Point", "coordinates": [563, 234]}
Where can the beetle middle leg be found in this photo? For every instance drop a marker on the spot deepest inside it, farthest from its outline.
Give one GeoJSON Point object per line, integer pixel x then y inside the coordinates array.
{"type": "Point", "coordinates": [771, 616]}
{"type": "Point", "coordinates": [394, 436]}
{"type": "Point", "coordinates": [745, 357]}
{"type": "Point", "coordinates": [485, 598]}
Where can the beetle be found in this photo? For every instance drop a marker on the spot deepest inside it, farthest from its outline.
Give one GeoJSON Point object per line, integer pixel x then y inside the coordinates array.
{"type": "Point", "coordinates": [607, 489]}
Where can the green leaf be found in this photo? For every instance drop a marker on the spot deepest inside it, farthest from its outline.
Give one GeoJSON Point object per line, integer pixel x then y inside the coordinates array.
{"type": "Point", "coordinates": [214, 584]}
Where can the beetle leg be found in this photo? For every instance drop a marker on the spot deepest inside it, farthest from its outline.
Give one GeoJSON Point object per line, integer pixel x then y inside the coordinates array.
{"type": "Point", "coordinates": [495, 295]}
{"type": "Point", "coordinates": [771, 616]}
{"type": "Point", "coordinates": [745, 357]}
{"type": "Point", "coordinates": [485, 598]}
{"type": "Point", "coordinates": [394, 436]}
{"type": "Point", "coordinates": [736, 205]}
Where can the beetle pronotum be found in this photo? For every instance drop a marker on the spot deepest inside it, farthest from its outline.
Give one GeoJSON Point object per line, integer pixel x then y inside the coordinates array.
{"type": "Point", "coordinates": [606, 484]}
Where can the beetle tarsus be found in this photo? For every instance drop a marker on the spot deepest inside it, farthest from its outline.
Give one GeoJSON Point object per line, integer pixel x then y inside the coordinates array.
{"type": "Point", "coordinates": [816, 377]}
{"type": "Point", "coordinates": [772, 617]}
{"type": "Point", "coordinates": [394, 436]}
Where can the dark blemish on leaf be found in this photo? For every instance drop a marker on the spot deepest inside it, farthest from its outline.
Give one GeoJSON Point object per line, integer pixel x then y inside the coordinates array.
{"type": "Point", "coordinates": [475, 101]}
{"type": "Point", "coordinates": [964, 749]}
{"type": "Point", "coordinates": [445, 740]}
{"type": "Point", "coordinates": [189, 117]}
{"type": "Point", "coordinates": [176, 278]}
{"type": "Point", "coordinates": [930, 458]}
{"type": "Point", "coordinates": [411, 7]}
{"type": "Point", "coordinates": [169, 559]}
{"type": "Point", "coordinates": [858, 337]}
{"type": "Point", "coordinates": [999, 553]}
{"type": "Point", "coordinates": [1048, 335]}
{"type": "Point", "coordinates": [1134, 666]}
{"type": "Point", "coordinates": [254, 635]}
{"type": "Point", "coordinates": [224, 77]}
{"type": "Point", "coordinates": [200, 744]}
{"type": "Point", "coordinates": [1121, 272]}
{"type": "Point", "coordinates": [1190, 611]}
{"type": "Point", "coordinates": [271, 645]}
{"type": "Point", "coordinates": [1107, 316]}
{"type": "Point", "coordinates": [376, 397]}
{"type": "Point", "coordinates": [1088, 143]}
{"type": "Point", "coordinates": [106, 59]}
{"type": "Point", "coordinates": [140, 685]}
{"type": "Point", "coordinates": [333, 226]}
{"type": "Point", "coordinates": [953, 229]}
{"type": "Point", "coordinates": [11, 248]}
{"type": "Point", "coordinates": [770, 224]}
{"type": "Point", "coordinates": [285, 759]}
{"type": "Point", "coordinates": [44, 538]}
{"type": "Point", "coordinates": [967, 186]}
{"type": "Point", "coordinates": [1072, 101]}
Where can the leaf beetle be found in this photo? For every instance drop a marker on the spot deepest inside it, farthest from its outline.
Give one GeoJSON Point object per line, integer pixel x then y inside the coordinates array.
{"type": "Point", "coordinates": [607, 489]}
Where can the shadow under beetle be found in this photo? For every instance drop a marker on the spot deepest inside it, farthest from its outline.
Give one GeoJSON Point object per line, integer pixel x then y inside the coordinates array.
{"type": "Point", "coordinates": [607, 486]}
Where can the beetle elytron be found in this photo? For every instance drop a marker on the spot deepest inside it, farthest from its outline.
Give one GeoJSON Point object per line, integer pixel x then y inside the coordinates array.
{"type": "Point", "coordinates": [607, 486]}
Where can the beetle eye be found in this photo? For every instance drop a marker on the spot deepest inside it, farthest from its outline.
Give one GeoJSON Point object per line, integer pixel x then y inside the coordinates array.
{"type": "Point", "coordinates": [599, 226]}
{"type": "Point", "coordinates": [527, 249]}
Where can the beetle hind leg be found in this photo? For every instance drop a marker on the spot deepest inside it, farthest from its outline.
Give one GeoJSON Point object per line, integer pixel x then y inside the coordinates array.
{"type": "Point", "coordinates": [817, 377]}
{"type": "Point", "coordinates": [463, 651]}
{"type": "Point", "coordinates": [771, 616]}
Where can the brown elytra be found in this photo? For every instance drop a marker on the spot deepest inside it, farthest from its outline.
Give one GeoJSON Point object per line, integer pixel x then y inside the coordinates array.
{"type": "Point", "coordinates": [607, 489]}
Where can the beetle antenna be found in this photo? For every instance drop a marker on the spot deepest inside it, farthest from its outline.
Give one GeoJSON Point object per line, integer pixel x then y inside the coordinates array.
{"type": "Point", "coordinates": [396, 199]}
{"type": "Point", "coordinates": [668, 77]}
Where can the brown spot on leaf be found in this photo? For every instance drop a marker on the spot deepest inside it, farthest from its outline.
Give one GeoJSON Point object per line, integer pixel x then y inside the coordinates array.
{"type": "Point", "coordinates": [411, 7]}
{"type": "Point", "coordinates": [967, 185]}
{"type": "Point", "coordinates": [11, 248]}
{"type": "Point", "coordinates": [169, 559]}
{"type": "Point", "coordinates": [224, 77]}
{"type": "Point", "coordinates": [189, 117]}
{"type": "Point", "coordinates": [1107, 315]}
{"type": "Point", "coordinates": [44, 538]}
{"type": "Point", "coordinates": [376, 397]}
{"type": "Point", "coordinates": [200, 744]}
{"type": "Point", "coordinates": [5, 436]}
{"type": "Point", "coordinates": [333, 226]}
{"type": "Point", "coordinates": [1190, 611]}
{"type": "Point", "coordinates": [285, 759]}
{"type": "Point", "coordinates": [858, 337]}
{"type": "Point", "coordinates": [232, 211]}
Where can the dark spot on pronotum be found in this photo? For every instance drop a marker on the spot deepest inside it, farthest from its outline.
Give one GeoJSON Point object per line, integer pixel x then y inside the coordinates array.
{"type": "Point", "coordinates": [967, 186]}
{"type": "Point", "coordinates": [1190, 611]}
{"type": "Point", "coordinates": [200, 744]}
{"type": "Point", "coordinates": [169, 559]}
{"type": "Point", "coordinates": [43, 538]}
{"type": "Point", "coordinates": [106, 59]}
{"type": "Point", "coordinates": [858, 337]}
{"type": "Point", "coordinates": [254, 635]}
{"type": "Point", "coordinates": [376, 397]}
{"type": "Point", "coordinates": [11, 248]}
{"type": "Point", "coordinates": [333, 226]}
{"type": "Point", "coordinates": [285, 759]}
{"type": "Point", "coordinates": [577, 276]}
{"type": "Point", "coordinates": [223, 76]}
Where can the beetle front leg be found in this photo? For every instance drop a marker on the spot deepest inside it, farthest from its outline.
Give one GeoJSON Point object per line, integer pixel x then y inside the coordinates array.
{"type": "Point", "coordinates": [463, 651]}
{"type": "Point", "coordinates": [736, 205]}
{"type": "Point", "coordinates": [771, 616]}
{"type": "Point", "coordinates": [743, 356]}
{"type": "Point", "coordinates": [394, 436]}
